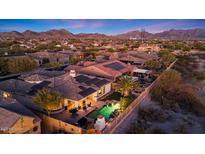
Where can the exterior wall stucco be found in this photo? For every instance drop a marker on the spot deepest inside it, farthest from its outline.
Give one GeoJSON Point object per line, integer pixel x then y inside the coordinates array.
{"type": "Point", "coordinates": [54, 125]}
{"type": "Point", "coordinates": [25, 125]}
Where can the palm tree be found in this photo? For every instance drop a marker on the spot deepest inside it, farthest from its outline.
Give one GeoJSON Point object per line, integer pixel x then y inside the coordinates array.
{"type": "Point", "coordinates": [125, 85]}
{"type": "Point", "coordinates": [48, 100]}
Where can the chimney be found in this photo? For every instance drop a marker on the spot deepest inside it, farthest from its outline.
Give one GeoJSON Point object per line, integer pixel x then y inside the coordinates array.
{"type": "Point", "coordinates": [73, 73]}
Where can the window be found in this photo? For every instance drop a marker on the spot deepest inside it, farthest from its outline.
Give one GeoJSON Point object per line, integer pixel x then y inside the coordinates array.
{"type": "Point", "coordinates": [101, 91]}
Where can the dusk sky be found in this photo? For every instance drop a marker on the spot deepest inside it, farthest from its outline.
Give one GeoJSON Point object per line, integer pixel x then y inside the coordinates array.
{"type": "Point", "coordinates": [105, 26]}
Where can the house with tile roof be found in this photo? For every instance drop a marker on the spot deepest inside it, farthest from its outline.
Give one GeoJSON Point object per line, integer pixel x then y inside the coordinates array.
{"type": "Point", "coordinates": [129, 59]}
{"type": "Point", "coordinates": [17, 119]}
{"type": "Point", "coordinates": [110, 69]}
{"type": "Point", "coordinates": [81, 91]}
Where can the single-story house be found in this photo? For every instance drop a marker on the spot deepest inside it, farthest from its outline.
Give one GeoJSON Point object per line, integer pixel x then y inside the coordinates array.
{"type": "Point", "coordinates": [17, 119]}
{"type": "Point", "coordinates": [129, 59]}
{"type": "Point", "coordinates": [80, 91]}
{"type": "Point", "coordinates": [39, 76]}
{"type": "Point", "coordinates": [110, 69]}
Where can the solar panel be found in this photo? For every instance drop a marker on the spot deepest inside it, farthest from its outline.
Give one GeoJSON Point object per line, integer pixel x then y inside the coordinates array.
{"type": "Point", "coordinates": [87, 92]}
{"type": "Point", "coordinates": [82, 88]}
{"type": "Point", "coordinates": [116, 66]}
{"type": "Point", "coordinates": [92, 81]}
{"type": "Point", "coordinates": [101, 83]}
{"type": "Point", "coordinates": [81, 78]}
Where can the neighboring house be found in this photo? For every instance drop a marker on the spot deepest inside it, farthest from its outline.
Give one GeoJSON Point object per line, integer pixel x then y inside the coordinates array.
{"type": "Point", "coordinates": [35, 78]}
{"type": "Point", "coordinates": [147, 55]}
{"type": "Point", "coordinates": [86, 63]}
{"type": "Point", "coordinates": [110, 69]}
{"type": "Point", "coordinates": [75, 54]}
{"type": "Point", "coordinates": [39, 76]}
{"type": "Point", "coordinates": [22, 91]}
{"type": "Point", "coordinates": [142, 73]}
{"type": "Point", "coordinates": [114, 55]}
{"type": "Point", "coordinates": [15, 86]}
{"type": "Point", "coordinates": [59, 56]}
{"type": "Point", "coordinates": [72, 67]}
{"type": "Point", "coordinates": [101, 58]}
{"type": "Point", "coordinates": [139, 62]}
{"type": "Point", "coordinates": [149, 47]}
{"type": "Point", "coordinates": [17, 119]}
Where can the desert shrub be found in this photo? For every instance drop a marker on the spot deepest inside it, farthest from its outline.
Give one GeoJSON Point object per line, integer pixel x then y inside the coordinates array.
{"type": "Point", "coordinates": [168, 80]}
{"type": "Point", "coordinates": [152, 114]}
{"type": "Point", "coordinates": [199, 46]}
{"type": "Point", "coordinates": [172, 93]}
{"type": "Point", "coordinates": [153, 65]}
{"type": "Point", "coordinates": [199, 75]}
{"type": "Point", "coordinates": [186, 97]}
{"type": "Point", "coordinates": [181, 128]}
{"type": "Point", "coordinates": [186, 65]}
{"type": "Point", "coordinates": [136, 128]}
{"type": "Point", "coordinates": [156, 130]}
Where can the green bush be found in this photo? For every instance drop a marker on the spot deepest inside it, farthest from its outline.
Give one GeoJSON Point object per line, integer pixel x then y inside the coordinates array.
{"type": "Point", "coordinates": [124, 102]}
{"type": "Point", "coordinates": [73, 111]}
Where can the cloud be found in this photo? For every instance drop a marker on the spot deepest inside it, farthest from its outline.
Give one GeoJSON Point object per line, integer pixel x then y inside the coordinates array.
{"type": "Point", "coordinates": [81, 23]}
{"type": "Point", "coordinates": [167, 25]}
{"type": "Point", "coordinates": [155, 27]}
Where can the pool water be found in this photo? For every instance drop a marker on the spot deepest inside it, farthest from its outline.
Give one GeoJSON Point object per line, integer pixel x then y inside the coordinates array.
{"type": "Point", "coordinates": [105, 111]}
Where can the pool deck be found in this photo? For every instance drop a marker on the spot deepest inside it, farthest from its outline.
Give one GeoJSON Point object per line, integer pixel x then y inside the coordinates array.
{"type": "Point", "coordinates": [68, 117]}
{"type": "Point", "coordinates": [99, 104]}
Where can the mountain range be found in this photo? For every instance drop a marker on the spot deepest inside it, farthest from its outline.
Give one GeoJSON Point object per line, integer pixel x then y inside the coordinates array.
{"type": "Point", "coordinates": [189, 34]}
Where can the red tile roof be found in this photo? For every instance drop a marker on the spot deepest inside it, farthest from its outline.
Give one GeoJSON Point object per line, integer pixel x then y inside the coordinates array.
{"type": "Point", "coordinates": [72, 67]}
{"type": "Point", "coordinates": [110, 71]}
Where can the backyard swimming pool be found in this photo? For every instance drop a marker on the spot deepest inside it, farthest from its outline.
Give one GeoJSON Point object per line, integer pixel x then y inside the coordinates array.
{"type": "Point", "coordinates": [106, 111]}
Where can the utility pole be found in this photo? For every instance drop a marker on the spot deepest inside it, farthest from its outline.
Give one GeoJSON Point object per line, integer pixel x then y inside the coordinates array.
{"type": "Point", "coordinates": [142, 35]}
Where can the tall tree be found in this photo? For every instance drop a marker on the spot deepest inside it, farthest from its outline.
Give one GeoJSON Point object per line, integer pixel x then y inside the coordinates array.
{"type": "Point", "coordinates": [21, 65]}
{"type": "Point", "coordinates": [125, 85]}
{"type": "Point", "coordinates": [48, 100]}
